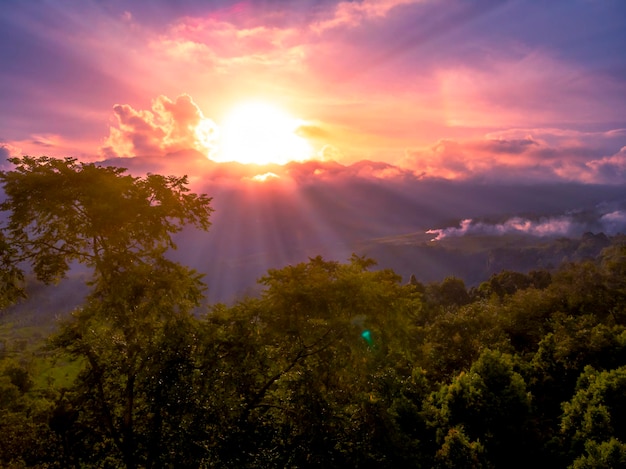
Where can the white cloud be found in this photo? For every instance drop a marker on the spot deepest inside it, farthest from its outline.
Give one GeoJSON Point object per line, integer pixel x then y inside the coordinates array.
{"type": "Point", "coordinates": [607, 218]}
{"type": "Point", "coordinates": [614, 222]}
{"type": "Point", "coordinates": [558, 226]}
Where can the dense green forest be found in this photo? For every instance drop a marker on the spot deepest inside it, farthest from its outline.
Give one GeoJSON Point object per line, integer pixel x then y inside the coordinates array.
{"type": "Point", "coordinates": [332, 365]}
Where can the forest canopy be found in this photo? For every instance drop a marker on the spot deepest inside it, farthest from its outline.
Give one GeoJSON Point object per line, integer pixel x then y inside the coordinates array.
{"type": "Point", "coordinates": [334, 364]}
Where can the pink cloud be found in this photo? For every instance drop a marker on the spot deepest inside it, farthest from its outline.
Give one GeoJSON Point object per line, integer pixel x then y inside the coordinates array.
{"type": "Point", "coordinates": [350, 14]}
{"type": "Point", "coordinates": [565, 155]}
{"type": "Point", "coordinates": [518, 86]}
{"type": "Point", "coordinates": [169, 126]}
{"type": "Point", "coordinates": [380, 76]}
{"type": "Point", "coordinates": [366, 169]}
{"type": "Point", "coordinates": [225, 46]}
{"type": "Point", "coordinates": [53, 145]}
{"type": "Point", "coordinates": [338, 64]}
{"type": "Point", "coordinates": [611, 169]}
{"type": "Point", "coordinates": [516, 155]}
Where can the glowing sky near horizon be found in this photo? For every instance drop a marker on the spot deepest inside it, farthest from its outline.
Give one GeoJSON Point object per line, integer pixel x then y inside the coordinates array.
{"type": "Point", "coordinates": [446, 88]}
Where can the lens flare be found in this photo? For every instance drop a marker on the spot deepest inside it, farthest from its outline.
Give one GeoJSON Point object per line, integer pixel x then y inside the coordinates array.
{"type": "Point", "coordinates": [367, 335]}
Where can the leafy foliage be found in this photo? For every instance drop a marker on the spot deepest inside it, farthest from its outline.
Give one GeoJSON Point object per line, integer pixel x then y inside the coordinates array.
{"type": "Point", "coordinates": [332, 365]}
{"type": "Point", "coordinates": [63, 211]}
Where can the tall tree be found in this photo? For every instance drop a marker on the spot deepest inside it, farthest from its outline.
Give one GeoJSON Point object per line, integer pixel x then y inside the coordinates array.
{"type": "Point", "coordinates": [11, 276]}
{"type": "Point", "coordinates": [136, 328]}
{"type": "Point", "coordinates": [492, 405]}
{"type": "Point", "coordinates": [594, 420]}
{"type": "Point", "coordinates": [303, 375]}
{"type": "Point", "coordinates": [62, 211]}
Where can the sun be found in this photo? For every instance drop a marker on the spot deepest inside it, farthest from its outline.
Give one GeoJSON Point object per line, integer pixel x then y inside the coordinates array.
{"type": "Point", "coordinates": [260, 133]}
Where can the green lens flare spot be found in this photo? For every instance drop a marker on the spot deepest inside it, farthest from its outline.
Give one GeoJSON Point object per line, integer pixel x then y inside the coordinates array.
{"type": "Point", "coordinates": [367, 335]}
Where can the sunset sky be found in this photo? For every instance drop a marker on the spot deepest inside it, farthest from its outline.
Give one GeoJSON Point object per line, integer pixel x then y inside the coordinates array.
{"type": "Point", "coordinates": [487, 89]}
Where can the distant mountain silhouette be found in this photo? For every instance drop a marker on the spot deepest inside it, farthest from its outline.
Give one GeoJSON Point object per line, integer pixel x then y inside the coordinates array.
{"type": "Point", "coordinates": [270, 227]}
{"type": "Point", "coordinates": [256, 227]}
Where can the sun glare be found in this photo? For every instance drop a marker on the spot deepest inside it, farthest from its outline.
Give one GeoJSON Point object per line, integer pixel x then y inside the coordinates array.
{"type": "Point", "coordinates": [260, 133]}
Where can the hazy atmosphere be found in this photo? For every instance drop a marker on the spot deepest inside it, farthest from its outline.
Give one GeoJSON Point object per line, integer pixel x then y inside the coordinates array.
{"type": "Point", "coordinates": [316, 125]}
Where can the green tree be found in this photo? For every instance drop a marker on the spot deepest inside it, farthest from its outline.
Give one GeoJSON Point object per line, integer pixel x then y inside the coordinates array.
{"type": "Point", "coordinates": [25, 439]}
{"type": "Point", "coordinates": [136, 328]}
{"type": "Point", "coordinates": [525, 317]}
{"type": "Point", "coordinates": [61, 211]}
{"type": "Point", "coordinates": [582, 289]}
{"type": "Point", "coordinates": [596, 413]}
{"type": "Point", "coordinates": [458, 452]}
{"type": "Point", "coordinates": [493, 406]}
{"type": "Point", "coordinates": [613, 265]}
{"type": "Point", "coordinates": [504, 283]}
{"type": "Point", "coordinates": [451, 292]}
{"type": "Point", "coordinates": [137, 346]}
{"type": "Point", "coordinates": [302, 385]}
{"type": "Point", "coordinates": [11, 277]}
{"type": "Point", "coordinates": [456, 338]}
{"type": "Point", "coordinates": [605, 455]}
